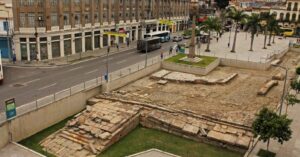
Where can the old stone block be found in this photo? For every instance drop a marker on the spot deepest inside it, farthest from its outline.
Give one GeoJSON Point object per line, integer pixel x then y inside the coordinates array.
{"type": "Point", "coordinates": [104, 135]}
{"type": "Point", "coordinates": [229, 138]}
{"type": "Point", "coordinates": [191, 129]}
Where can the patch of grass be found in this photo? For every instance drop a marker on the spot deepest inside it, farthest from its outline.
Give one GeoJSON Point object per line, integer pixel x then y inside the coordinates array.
{"type": "Point", "coordinates": [142, 139]}
{"type": "Point", "coordinates": [33, 141]}
{"type": "Point", "coordinates": [203, 63]}
{"type": "Point", "coordinates": [265, 153]}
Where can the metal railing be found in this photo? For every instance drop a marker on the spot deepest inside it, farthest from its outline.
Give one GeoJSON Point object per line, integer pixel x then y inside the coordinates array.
{"type": "Point", "coordinates": [87, 85]}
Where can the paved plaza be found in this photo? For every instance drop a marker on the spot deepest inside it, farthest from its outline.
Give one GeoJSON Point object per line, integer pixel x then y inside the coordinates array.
{"type": "Point", "coordinates": [220, 49]}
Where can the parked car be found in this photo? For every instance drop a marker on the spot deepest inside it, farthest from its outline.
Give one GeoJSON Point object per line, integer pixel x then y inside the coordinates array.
{"type": "Point", "coordinates": [177, 38]}
{"type": "Point", "coordinates": [186, 36]}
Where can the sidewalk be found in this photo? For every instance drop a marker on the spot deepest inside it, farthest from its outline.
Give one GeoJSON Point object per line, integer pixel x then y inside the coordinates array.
{"type": "Point", "coordinates": [72, 59]}
{"type": "Point", "coordinates": [16, 150]}
{"type": "Point", "coordinates": [287, 149]}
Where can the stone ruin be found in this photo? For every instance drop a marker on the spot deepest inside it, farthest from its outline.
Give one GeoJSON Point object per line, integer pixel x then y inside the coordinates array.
{"type": "Point", "coordinates": [93, 130]}
{"type": "Point", "coordinates": [107, 119]}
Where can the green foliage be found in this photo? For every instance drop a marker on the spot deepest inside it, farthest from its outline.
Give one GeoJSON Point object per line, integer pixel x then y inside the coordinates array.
{"type": "Point", "coordinates": [252, 23]}
{"type": "Point", "coordinates": [269, 125]}
{"type": "Point", "coordinates": [203, 63]}
{"type": "Point", "coordinates": [222, 4]}
{"type": "Point", "coordinates": [142, 139]}
{"type": "Point", "coordinates": [295, 85]}
{"type": "Point", "coordinates": [265, 153]}
{"type": "Point", "coordinates": [236, 15]}
{"type": "Point", "coordinates": [212, 24]}
{"type": "Point", "coordinates": [298, 70]}
{"type": "Point", "coordinates": [291, 100]}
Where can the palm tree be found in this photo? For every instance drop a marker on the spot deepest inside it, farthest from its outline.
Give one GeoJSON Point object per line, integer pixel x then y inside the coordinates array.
{"type": "Point", "coordinates": [237, 16]}
{"type": "Point", "coordinates": [272, 26]}
{"type": "Point", "coordinates": [253, 25]}
{"type": "Point", "coordinates": [265, 16]}
{"type": "Point", "coordinates": [209, 25]}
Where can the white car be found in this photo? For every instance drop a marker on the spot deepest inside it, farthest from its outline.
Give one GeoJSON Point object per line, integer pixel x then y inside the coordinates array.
{"type": "Point", "coordinates": [177, 38]}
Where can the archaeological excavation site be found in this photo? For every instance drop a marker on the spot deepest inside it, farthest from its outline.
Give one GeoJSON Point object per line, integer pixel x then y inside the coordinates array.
{"type": "Point", "coordinates": [216, 109]}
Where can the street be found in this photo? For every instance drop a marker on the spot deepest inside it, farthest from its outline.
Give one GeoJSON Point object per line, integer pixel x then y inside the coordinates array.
{"type": "Point", "coordinates": [28, 84]}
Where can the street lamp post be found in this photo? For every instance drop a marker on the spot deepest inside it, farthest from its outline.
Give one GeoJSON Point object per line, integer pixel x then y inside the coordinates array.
{"type": "Point", "coordinates": [7, 36]}
{"type": "Point", "coordinates": [284, 86]}
{"type": "Point", "coordinates": [143, 28]}
{"type": "Point", "coordinates": [106, 74]}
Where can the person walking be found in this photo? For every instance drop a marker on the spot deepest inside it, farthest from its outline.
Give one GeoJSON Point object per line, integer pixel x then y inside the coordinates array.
{"type": "Point", "coordinates": [217, 39]}
{"type": "Point", "coordinates": [161, 55]}
{"type": "Point", "coordinates": [171, 50]}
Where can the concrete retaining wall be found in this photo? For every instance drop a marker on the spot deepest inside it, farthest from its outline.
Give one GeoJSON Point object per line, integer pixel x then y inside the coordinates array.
{"type": "Point", "coordinates": [191, 69]}
{"type": "Point", "coordinates": [245, 64]}
{"type": "Point", "coordinates": [118, 83]}
{"type": "Point", "coordinates": [30, 123]}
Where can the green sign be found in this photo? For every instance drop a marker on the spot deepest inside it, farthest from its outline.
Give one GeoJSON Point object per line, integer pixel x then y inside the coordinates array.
{"type": "Point", "coordinates": [10, 107]}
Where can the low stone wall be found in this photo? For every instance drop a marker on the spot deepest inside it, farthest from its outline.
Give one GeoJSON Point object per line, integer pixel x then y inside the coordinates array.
{"type": "Point", "coordinates": [188, 125]}
{"type": "Point", "coordinates": [245, 64]}
{"type": "Point", "coordinates": [35, 121]}
{"type": "Point", "coordinates": [189, 68]}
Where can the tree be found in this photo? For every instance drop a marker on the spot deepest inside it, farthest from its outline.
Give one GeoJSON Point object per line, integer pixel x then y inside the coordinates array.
{"type": "Point", "coordinates": [252, 24]}
{"type": "Point", "coordinates": [211, 24]}
{"type": "Point", "coordinates": [237, 16]}
{"type": "Point", "coordinates": [272, 27]}
{"type": "Point", "coordinates": [266, 18]}
{"type": "Point", "coordinates": [291, 100]}
{"type": "Point", "coordinates": [222, 4]}
{"type": "Point", "coordinates": [298, 70]}
{"type": "Point", "coordinates": [268, 125]}
{"type": "Point", "coordinates": [295, 85]}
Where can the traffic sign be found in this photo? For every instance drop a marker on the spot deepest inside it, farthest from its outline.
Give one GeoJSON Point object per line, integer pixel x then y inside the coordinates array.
{"type": "Point", "coordinates": [10, 106]}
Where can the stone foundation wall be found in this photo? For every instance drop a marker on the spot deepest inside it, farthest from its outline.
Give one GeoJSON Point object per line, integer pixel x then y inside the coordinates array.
{"type": "Point", "coordinates": [191, 69]}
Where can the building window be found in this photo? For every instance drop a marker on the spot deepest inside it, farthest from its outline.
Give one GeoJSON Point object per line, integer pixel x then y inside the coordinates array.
{"type": "Point", "coordinates": [66, 2]}
{"type": "Point", "coordinates": [31, 21]}
{"type": "Point", "coordinates": [54, 19]}
{"type": "Point", "coordinates": [66, 19]}
{"type": "Point", "coordinates": [77, 2]}
{"type": "Point", "coordinates": [53, 2]}
{"type": "Point", "coordinates": [22, 20]}
{"type": "Point", "coordinates": [40, 3]}
{"type": "Point", "coordinates": [30, 2]}
{"type": "Point", "coordinates": [23, 2]}
{"type": "Point", "coordinates": [77, 19]}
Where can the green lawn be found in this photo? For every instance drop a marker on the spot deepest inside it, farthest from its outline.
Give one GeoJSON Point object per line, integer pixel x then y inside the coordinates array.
{"type": "Point", "coordinates": [33, 141]}
{"type": "Point", "coordinates": [205, 60]}
{"type": "Point", "coordinates": [142, 139]}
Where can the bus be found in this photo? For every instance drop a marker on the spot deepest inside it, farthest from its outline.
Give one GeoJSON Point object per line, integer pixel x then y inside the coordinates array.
{"type": "Point", "coordinates": [1, 70]}
{"type": "Point", "coordinates": [163, 35]}
{"type": "Point", "coordinates": [149, 44]}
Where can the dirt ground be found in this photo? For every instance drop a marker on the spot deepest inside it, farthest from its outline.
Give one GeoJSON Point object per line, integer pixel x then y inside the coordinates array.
{"type": "Point", "coordinates": [236, 101]}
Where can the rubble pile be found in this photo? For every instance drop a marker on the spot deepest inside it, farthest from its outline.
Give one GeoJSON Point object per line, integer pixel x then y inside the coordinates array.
{"type": "Point", "coordinates": [93, 130]}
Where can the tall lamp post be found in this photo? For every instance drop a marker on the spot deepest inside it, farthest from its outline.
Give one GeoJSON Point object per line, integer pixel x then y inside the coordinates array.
{"type": "Point", "coordinates": [38, 24]}
{"type": "Point", "coordinates": [284, 85]}
{"type": "Point", "coordinates": [7, 36]}
{"type": "Point", "coordinates": [143, 23]}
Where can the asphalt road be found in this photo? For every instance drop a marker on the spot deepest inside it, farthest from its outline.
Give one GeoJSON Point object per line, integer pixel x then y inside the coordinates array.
{"type": "Point", "coordinates": [28, 84]}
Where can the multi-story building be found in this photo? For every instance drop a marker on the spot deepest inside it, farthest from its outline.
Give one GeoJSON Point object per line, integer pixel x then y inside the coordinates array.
{"type": "Point", "coordinates": [46, 29]}
{"type": "Point", "coordinates": [6, 28]}
{"type": "Point", "coordinates": [288, 15]}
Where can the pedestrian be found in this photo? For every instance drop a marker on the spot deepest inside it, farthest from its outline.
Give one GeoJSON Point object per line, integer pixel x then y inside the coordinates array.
{"type": "Point", "coordinates": [217, 39]}
{"type": "Point", "coordinates": [221, 33]}
{"type": "Point", "coordinates": [161, 55]}
{"type": "Point", "coordinates": [108, 49]}
{"type": "Point", "coordinates": [228, 44]}
{"type": "Point", "coordinates": [118, 47]}
{"type": "Point", "coordinates": [127, 42]}
{"type": "Point", "coordinates": [177, 48]}
{"type": "Point", "coordinates": [14, 58]}
{"type": "Point", "coordinates": [171, 50]}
